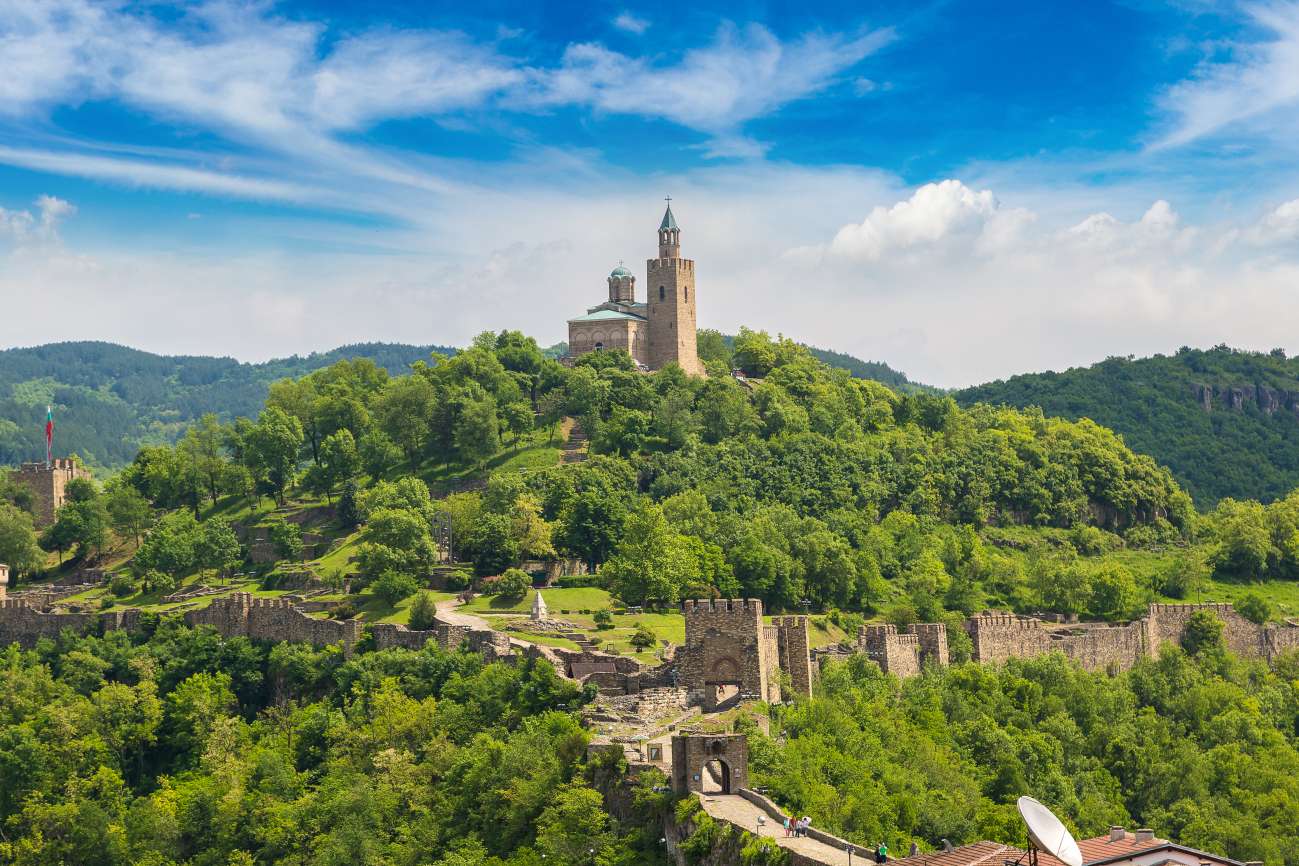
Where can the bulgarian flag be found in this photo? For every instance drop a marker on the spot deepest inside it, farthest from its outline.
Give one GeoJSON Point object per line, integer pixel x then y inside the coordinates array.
{"type": "Point", "coordinates": [49, 435]}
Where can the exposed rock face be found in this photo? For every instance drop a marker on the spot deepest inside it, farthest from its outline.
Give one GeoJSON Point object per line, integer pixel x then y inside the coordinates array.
{"type": "Point", "coordinates": [1269, 400]}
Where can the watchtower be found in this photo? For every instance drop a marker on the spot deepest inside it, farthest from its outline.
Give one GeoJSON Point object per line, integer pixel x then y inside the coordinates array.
{"type": "Point", "coordinates": [48, 485]}
{"type": "Point", "coordinates": [729, 655]}
{"type": "Point", "coordinates": [670, 288]}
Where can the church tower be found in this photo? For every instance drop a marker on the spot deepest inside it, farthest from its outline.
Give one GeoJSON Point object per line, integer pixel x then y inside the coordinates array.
{"type": "Point", "coordinates": [670, 286]}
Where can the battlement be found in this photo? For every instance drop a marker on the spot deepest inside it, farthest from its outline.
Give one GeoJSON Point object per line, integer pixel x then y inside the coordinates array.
{"type": "Point", "coordinates": [998, 619]}
{"type": "Point", "coordinates": [47, 485]}
{"type": "Point", "coordinates": [721, 605]}
{"type": "Point", "coordinates": [1223, 609]}
{"type": "Point", "coordinates": [679, 264]}
{"type": "Point", "coordinates": [897, 654]}
{"type": "Point", "coordinates": [64, 464]}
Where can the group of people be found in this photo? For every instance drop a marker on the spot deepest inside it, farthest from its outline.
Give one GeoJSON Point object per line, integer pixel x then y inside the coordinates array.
{"type": "Point", "coordinates": [797, 826]}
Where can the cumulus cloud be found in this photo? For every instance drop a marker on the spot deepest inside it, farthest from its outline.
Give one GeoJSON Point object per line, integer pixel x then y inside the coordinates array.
{"type": "Point", "coordinates": [35, 226]}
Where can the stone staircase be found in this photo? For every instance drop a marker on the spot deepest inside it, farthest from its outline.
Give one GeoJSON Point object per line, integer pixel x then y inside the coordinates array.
{"type": "Point", "coordinates": [576, 447]}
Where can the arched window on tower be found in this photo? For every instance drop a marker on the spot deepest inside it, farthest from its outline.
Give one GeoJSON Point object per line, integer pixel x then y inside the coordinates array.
{"type": "Point", "coordinates": [662, 293]}
{"type": "Point", "coordinates": [687, 291]}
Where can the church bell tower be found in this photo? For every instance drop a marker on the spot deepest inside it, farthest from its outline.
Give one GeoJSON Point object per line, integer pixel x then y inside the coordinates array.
{"type": "Point", "coordinates": [670, 290]}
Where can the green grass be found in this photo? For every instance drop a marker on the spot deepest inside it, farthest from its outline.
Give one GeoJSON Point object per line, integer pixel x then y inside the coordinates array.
{"type": "Point", "coordinates": [533, 451]}
{"type": "Point", "coordinates": [572, 599]}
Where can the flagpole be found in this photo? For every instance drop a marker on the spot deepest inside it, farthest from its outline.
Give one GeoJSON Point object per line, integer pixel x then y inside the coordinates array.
{"type": "Point", "coordinates": [49, 436]}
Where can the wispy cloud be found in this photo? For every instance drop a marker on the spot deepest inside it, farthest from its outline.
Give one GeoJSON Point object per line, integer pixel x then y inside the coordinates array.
{"type": "Point", "coordinates": [1255, 89]}
{"type": "Point", "coordinates": [631, 23]}
{"type": "Point", "coordinates": [745, 73]}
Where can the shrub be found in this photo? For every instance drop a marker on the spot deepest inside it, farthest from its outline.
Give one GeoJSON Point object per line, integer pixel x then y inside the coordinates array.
{"type": "Point", "coordinates": [643, 638]}
{"type": "Point", "coordinates": [393, 586]}
{"type": "Point", "coordinates": [1254, 608]}
{"type": "Point", "coordinates": [513, 585]}
{"type": "Point", "coordinates": [422, 612]}
{"type": "Point", "coordinates": [343, 610]}
{"type": "Point", "coordinates": [121, 585]}
{"type": "Point", "coordinates": [603, 620]}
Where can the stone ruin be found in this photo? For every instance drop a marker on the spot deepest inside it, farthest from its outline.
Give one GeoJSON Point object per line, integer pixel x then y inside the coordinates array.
{"type": "Point", "coordinates": [731, 656]}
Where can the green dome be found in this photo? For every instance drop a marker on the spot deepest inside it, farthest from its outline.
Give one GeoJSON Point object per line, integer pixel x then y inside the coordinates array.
{"type": "Point", "coordinates": [620, 271]}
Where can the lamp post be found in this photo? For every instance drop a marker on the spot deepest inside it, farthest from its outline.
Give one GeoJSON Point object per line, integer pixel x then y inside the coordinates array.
{"type": "Point", "coordinates": [849, 850]}
{"type": "Point", "coordinates": [807, 605]}
{"type": "Point", "coordinates": [761, 823]}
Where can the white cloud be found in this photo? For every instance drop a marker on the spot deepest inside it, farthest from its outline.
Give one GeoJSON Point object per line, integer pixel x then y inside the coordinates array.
{"type": "Point", "coordinates": [631, 23]}
{"type": "Point", "coordinates": [1256, 90]}
{"type": "Point", "coordinates": [745, 73]}
{"type": "Point", "coordinates": [25, 226]}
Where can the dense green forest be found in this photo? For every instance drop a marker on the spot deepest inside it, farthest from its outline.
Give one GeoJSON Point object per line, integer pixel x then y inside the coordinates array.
{"type": "Point", "coordinates": [181, 747]}
{"type": "Point", "coordinates": [1244, 445]}
{"type": "Point", "coordinates": [109, 400]}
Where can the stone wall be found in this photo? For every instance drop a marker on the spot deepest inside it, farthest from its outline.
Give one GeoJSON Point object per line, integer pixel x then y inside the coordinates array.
{"type": "Point", "coordinates": [897, 654]}
{"type": "Point", "coordinates": [794, 649]}
{"type": "Point", "coordinates": [25, 624]}
{"type": "Point", "coordinates": [1102, 646]}
{"type": "Point", "coordinates": [997, 637]}
{"type": "Point", "coordinates": [1168, 621]}
{"type": "Point", "coordinates": [449, 636]}
{"type": "Point", "coordinates": [932, 638]}
{"type": "Point", "coordinates": [273, 619]}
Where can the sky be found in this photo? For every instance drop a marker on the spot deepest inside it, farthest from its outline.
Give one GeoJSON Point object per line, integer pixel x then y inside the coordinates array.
{"type": "Point", "coordinates": [964, 190]}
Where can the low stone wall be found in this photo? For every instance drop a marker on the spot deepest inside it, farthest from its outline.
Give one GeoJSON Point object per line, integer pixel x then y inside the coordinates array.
{"type": "Point", "coordinates": [774, 812]}
{"type": "Point", "coordinates": [24, 624]}
{"type": "Point", "coordinates": [493, 646]}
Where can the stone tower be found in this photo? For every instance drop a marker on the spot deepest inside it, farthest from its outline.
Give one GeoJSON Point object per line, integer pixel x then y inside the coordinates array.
{"type": "Point", "coordinates": [622, 286]}
{"type": "Point", "coordinates": [4, 580]}
{"type": "Point", "coordinates": [48, 485]}
{"type": "Point", "coordinates": [670, 286]}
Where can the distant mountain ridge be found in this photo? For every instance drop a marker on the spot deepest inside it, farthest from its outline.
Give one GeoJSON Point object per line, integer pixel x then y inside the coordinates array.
{"type": "Point", "coordinates": [110, 399]}
{"type": "Point", "coordinates": [1225, 421]}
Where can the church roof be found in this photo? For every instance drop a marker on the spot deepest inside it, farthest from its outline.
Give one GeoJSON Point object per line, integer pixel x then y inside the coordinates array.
{"type": "Point", "coordinates": [620, 271]}
{"type": "Point", "coordinates": [607, 315]}
{"type": "Point", "coordinates": [669, 221]}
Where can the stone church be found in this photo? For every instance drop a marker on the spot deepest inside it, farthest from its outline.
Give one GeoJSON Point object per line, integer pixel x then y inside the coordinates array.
{"type": "Point", "coordinates": [657, 331]}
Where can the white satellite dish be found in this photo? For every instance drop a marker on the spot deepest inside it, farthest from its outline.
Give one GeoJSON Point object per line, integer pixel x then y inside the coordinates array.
{"type": "Point", "coordinates": [1048, 833]}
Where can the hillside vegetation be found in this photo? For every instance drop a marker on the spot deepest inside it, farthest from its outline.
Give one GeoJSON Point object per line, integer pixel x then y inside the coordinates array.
{"type": "Point", "coordinates": [109, 400]}
{"type": "Point", "coordinates": [1226, 422]}
{"type": "Point", "coordinates": [799, 485]}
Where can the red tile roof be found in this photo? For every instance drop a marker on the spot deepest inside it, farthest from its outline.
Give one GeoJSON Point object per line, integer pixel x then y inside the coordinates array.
{"type": "Point", "coordinates": [978, 854]}
{"type": "Point", "coordinates": [1101, 848]}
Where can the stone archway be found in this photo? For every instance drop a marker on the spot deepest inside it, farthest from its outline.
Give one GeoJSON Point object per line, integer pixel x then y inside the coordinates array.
{"type": "Point", "coordinates": [716, 777]}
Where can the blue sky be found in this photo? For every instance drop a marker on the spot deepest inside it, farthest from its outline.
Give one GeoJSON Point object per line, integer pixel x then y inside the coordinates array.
{"type": "Point", "coordinates": [963, 189]}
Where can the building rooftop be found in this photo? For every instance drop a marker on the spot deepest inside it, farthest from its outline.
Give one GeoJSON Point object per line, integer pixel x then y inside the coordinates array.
{"type": "Point", "coordinates": [1096, 851]}
{"type": "Point", "coordinates": [669, 221]}
{"type": "Point", "coordinates": [607, 315]}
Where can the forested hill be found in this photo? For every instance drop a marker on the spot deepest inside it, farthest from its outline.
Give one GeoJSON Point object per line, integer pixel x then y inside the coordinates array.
{"type": "Point", "coordinates": [1226, 422]}
{"type": "Point", "coordinates": [110, 399]}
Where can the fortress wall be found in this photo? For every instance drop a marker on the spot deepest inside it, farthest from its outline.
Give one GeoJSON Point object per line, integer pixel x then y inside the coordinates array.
{"type": "Point", "coordinates": [897, 654]}
{"type": "Point", "coordinates": [1280, 638]}
{"type": "Point", "coordinates": [273, 619]}
{"type": "Point", "coordinates": [1168, 622]}
{"type": "Point", "coordinates": [771, 653]}
{"type": "Point", "coordinates": [794, 650]}
{"type": "Point", "coordinates": [932, 637]}
{"type": "Point", "coordinates": [1001, 636]}
{"type": "Point", "coordinates": [25, 624]}
{"type": "Point", "coordinates": [725, 643]}
{"type": "Point", "coordinates": [1103, 648]}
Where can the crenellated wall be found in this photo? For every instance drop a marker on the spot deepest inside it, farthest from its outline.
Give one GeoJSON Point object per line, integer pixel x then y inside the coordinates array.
{"type": "Point", "coordinates": [726, 645]}
{"type": "Point", "coordinates": [273, 619]}
{"type": "Point", "coordinates": [449, 636]}
{"type": "Point", "coordinates": [897, 654]}
{"type": "Point", "coordinates": [24, 623]}
{"type": "Point", "coordinates": [997, 637]}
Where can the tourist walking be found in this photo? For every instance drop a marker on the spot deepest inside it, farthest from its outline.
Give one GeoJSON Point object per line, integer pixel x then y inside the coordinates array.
{"type": "Point", "coordinates": [787, 827]}
{"type": "Point", "coordinates": [882, 853]}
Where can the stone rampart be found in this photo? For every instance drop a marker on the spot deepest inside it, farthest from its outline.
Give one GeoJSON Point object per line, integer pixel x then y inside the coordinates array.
{"type": "Point", "coordinates": [897, 654]}
{"type": "Point", "coordinates": [932, 638]}
{"type": "Point", "coordinates": [1102, 647]}
{"type": "Point", "coordinates": [273, 619]}
{"type": "Point", "coordinates": [1168, 622]}
{"type": "Point", "coordinates": [25, 624]}
{"type": "Point", "coordinates": [997, 637]}
{"type": "Point", "coordinates": [449, 636]}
